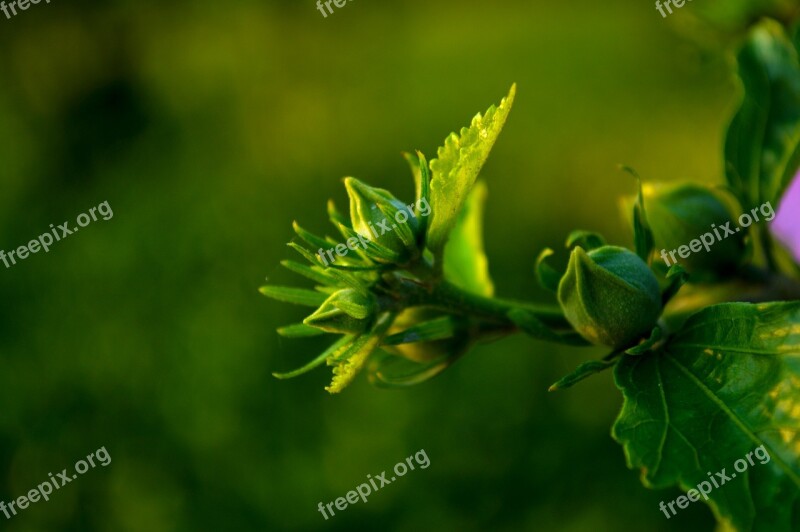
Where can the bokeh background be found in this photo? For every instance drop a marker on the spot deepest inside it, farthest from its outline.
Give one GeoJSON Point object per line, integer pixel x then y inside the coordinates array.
{"type": "Point", "coordinates": [209, 127]}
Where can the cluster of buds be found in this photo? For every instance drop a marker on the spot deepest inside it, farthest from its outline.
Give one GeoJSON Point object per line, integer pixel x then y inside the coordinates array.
{"type": "Point", "coordinates": [410, 284]}
{"type": "Point", "coordinates": [354, 296]}
{"type": "Point", "coordinates": [378, 287]}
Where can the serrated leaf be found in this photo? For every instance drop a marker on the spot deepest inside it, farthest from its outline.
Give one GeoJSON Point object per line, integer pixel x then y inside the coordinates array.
{"type": "Point", "coordinates": [348, 364]}
{"type": "Point", "coordinates": [298, 296]}
{"type": "Point", "coordinates": [727, 383]}
{"type": "Point", "coordinates": [762, 147]}
{"type": "Point", "coordinates": [457, 166]}
{"type": "Point", "coordinates": [465, 262]}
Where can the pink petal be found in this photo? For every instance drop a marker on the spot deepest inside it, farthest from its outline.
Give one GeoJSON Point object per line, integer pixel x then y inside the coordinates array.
{"type": "Point", "coordinates": [786, 225]}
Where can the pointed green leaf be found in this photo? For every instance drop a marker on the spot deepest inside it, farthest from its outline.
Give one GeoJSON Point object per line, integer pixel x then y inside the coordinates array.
{"type": "Point", "coordinates": [422, 182]}
{"type": "Point", "coordinates": [725, 385]}
{"type": "Point", "coordinates": [341, 343]}
{"type": "Point", "coordinates": [298, 296]}
{"type": "Point", "coordinates": [465, 262]}
{"type": "Point", "coordinates": [413, 160]}
{"type": "Point", "coordinates": [308, 255]}
{"type": "Point", "coordinates": [585, 370]}
{"type": "Point", "coordinates": [547, 276]}
{"type": "Point", "coordinates": [313, 273]}
{"type": "Point", "coordinates": [311, 239]}
{"type": "Point", "coordinates": [335, 216]}
{"type": "Point", "coordinates": [457, 166]}
{"type": "Point", "coordinates": [676, 277]}
{"type": "Point", "coordinates": [644, 241]}
{"type": "Point", "coordinates": [647, 345]}
{"type": "Point", "coordinates": [298, 330]}
{"type": "Point", "coordinates": [341, 278]}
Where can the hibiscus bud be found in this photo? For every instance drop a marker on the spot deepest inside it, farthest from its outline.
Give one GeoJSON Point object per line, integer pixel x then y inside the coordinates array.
{"type": "Point", "coordinates": [346, 311]}
{"type": "Point", "coordinates": [683, 213]}
{"type": "Point", "coordinates": [381, 218]}
{"type": "Point", "coordinates": [609, 295]}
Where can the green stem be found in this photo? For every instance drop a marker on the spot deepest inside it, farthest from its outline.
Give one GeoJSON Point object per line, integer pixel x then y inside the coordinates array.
{"type": "Point", "coordinates": [449, 297]}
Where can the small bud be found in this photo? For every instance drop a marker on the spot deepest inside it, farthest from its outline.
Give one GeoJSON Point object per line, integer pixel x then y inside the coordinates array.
{"type": "Point", "coordinates": [346, 311]}
{"type": "Point", "coordinates": [680, 214]}
{"type": "Point", "coordinates": [609, 295]}
{"type": "Point", "coordinates": [378, 216]}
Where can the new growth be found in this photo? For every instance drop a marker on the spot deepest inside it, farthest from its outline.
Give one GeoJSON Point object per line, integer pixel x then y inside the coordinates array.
{"type": "Point", "coordinates": [423, 207]}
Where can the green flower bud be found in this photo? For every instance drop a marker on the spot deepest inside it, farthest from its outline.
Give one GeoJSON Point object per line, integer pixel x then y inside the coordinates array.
{"type": "Point", "coordinates": [609, 295]}
{"type": "Point", "coordinates": [346, 311]}
{"type": "Point", "coordinates": [384, 220]}
{"type": "Point", "coordinates": [680, 214]}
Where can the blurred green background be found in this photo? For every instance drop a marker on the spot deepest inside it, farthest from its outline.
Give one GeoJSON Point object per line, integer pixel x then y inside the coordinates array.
{"type": "Point", "coordinates": [209, 127]}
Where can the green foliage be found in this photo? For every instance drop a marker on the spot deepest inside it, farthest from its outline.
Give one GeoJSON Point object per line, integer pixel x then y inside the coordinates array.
{"type": "Point", "coordinates": [703, 385]}
{"type": "Point", "coordinates": [457, 166]}
{"type": "Point", "coordinates": [465, 261]}
{"type": "Point", "coordinates": [348, 362]}
{"type": "Point", "coordinates": [725, 384]}
{"type": "Point", "coordinates": [386, 282]}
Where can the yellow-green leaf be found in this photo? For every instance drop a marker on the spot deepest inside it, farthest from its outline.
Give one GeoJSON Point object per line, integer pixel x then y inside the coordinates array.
{"type": "Point", "coordinates": [457, 167]}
